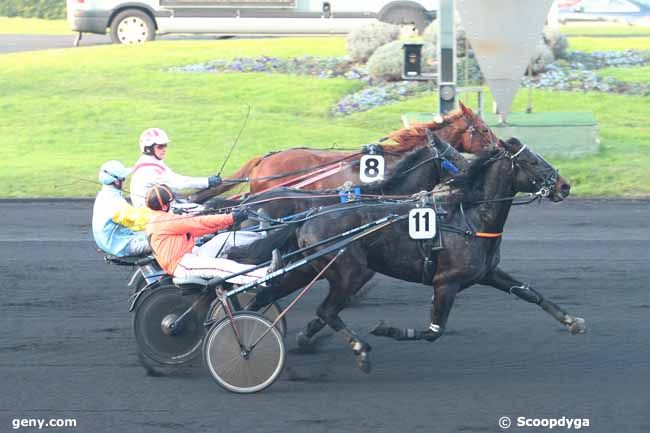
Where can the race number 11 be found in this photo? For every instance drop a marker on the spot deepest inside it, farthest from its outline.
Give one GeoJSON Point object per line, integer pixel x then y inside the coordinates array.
{"type": "Point", "coordinates": [422, 224]}
{"type": "Point", "coordinates": [371, 168]}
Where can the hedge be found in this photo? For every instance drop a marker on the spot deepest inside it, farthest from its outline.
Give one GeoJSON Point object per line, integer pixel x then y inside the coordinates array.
{"type": "Point", "coordinates": [50, 9]}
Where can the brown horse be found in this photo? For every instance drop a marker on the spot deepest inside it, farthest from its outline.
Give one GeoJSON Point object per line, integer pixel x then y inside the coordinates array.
{"type": "Point", "coordinates": [461, 128]}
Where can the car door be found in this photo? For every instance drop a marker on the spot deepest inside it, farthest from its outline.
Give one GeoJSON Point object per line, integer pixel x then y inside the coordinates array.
{"type": "Point", "coordinates": [282, 17]}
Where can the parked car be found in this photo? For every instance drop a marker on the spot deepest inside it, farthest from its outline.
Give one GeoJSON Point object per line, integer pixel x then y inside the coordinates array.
{"type": "Point", "coordinates": [633, 12]}
{"type": "Point", "coordinates": [136, 21]}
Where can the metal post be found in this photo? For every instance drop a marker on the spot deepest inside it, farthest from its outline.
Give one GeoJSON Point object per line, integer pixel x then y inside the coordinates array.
{"type": "Point", "coordinates": [446, 57]}
{"type": "Point", "coordinates": [77, 39]}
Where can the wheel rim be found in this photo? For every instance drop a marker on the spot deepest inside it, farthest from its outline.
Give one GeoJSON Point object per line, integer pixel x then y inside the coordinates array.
{"type": "Point", "coordinates": [152, 333]}
{"type": "Point", "coordinates": [132, 30]}
{"type": "Point", "coordinates": [232, 370]}
{"type": "Point", "coordinates": [271, 311]}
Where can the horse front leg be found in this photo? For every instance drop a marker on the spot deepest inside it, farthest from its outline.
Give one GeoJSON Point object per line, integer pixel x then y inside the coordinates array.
{"type": "Point", "coordinates": [443, 300]}
{"type": "Point", "coordinates": [502, 281]}
{"type": "Point", "coordinates": [343, 281]}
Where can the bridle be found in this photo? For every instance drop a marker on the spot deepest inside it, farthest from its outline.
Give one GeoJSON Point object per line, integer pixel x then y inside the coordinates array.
{"type": "Point", "coordinates": [545, 183]}
{"type": "Point", "coordinates": [549, 177]}
{"type": "Point", "coordinates": [436, 157]}
{"type": "Point", "coordinates": [468, 131]}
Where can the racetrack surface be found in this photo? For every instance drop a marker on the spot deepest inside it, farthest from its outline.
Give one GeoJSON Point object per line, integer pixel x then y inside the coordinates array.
{"type": "Point", "coordinates": [67, 350]}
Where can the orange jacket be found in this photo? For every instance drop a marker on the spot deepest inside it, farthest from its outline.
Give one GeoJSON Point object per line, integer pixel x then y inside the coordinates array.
{"type": "Point", "coordinates": [172, 236]}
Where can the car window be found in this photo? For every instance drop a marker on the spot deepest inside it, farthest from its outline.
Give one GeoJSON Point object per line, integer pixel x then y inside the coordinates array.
{"type": "Point", "coordinates": [623, 6]}
{"type": "Point", "coordinates": [594, 5]}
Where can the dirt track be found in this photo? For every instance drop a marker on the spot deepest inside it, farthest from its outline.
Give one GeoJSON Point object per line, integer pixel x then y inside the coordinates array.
{"type": "Point", "coordinates": [66, 350]}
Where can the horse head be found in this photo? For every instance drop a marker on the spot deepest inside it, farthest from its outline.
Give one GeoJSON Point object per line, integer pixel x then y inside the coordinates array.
{"type": "Point", "coordinates": [534, 174]}
{"type": "Point", "coordinates": [461, 128]}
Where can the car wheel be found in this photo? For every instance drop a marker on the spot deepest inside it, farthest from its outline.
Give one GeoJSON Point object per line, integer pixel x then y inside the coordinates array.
{"type": "Point", "coordinates": [132, 26]}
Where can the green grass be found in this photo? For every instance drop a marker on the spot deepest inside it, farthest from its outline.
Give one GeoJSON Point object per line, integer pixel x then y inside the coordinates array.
{"type": "Point", "coordinates": [33, 26]}
{"type": "Point", "coordinates": [609, 44]}
{"type": "Point", "coordinates": [639, 74]}
{"type": "Point", "coordinates": [604, 30]}
{"type": "Point", "coordinates": [67, 111]}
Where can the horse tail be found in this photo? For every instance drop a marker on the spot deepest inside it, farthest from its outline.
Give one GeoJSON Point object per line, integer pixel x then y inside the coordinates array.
{"type": "Point", "coordinates": [243, 173]}
{"type": "Point", "coordinates": [260, 250]}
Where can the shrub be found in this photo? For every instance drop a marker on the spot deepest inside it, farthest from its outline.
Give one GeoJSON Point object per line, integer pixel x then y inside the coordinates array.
{"type": "Point", "coordinates": [362, 42]}
{"type": "Point", "coordinates": [542, 57]}
{"type": "Point", "coordinates": [430, 35]}
{"type": "Point", "coordinates": [50, 9]}
{"type": "Point", "coordinates": [557, 41]}
{"type": "Point", "coordinates": [387, 63]}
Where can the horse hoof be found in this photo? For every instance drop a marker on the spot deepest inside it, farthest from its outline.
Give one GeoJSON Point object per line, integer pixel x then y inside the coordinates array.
{"type": "Point", "coordinates": [578, 326]}
{"type": "Point", "coordinates": [363, 362]}
{"type": "Point", "coordinates": [379, 329]}
{"type": "Point", "coordinates": [304, 342]}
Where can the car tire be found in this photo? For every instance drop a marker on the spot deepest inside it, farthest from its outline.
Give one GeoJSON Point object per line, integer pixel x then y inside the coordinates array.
{"type": "Point", "coordinates": [132, 26]}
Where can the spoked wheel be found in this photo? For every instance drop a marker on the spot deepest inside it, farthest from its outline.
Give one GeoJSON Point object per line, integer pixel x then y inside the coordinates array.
{"type": "Point", "coordinates": [271, 311]}
{"type": "Point", "coordinates": [244, 369]}
{"type": "Point", "coordinates": [156, 333]}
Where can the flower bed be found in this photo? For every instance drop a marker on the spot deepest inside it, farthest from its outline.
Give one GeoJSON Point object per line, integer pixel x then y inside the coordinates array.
{"type": "Point", "coordinates": [575, 73]}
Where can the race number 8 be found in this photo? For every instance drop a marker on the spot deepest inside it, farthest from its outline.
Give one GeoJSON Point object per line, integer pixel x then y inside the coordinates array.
{"type": "Point", "coordinates": [422, 224]}
{"type": "Point", "coordinates": [371, 168]}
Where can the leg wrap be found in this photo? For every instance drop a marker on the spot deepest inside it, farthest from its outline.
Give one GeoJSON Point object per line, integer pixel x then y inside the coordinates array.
{"type": "Point", "coordinates": [406, 334]}
{"type": "Point", "coordinates": [526, 293]}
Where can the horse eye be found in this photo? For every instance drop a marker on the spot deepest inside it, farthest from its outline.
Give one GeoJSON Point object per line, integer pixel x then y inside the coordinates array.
{"type": "Point", "coordinates": [485, 130]}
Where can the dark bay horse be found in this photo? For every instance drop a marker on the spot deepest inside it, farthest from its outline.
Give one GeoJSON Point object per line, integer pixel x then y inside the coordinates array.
{"type": "Point", "coordinates": [471, 254]}
{"type": "Point", "coordinates": [419, 170]}
{"type": "Point", "coordinates": [462, 128]}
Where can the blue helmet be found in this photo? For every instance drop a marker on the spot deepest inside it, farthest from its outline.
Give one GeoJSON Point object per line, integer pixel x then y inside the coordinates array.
{"type": "Point", "coordinates": [111, 171]}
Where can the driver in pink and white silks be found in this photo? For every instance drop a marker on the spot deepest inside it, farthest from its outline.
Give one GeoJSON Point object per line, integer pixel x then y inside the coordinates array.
{"type": "Point", "coordinates": [151, 169]}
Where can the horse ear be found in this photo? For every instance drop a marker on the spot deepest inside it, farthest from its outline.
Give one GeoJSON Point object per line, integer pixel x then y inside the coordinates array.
{"type": "Point", "coordinates": [463, 107]}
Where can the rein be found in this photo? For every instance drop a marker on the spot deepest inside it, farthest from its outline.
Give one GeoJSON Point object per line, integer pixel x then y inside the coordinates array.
{"type": "Point", "coordinates": [291, 173]}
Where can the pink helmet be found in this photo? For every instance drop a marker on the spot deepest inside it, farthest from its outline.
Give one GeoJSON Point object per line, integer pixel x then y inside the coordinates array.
{"type": "Point", "coordinates": [152, 136]}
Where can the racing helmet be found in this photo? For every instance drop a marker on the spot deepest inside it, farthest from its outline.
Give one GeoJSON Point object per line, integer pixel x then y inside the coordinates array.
{"type": "Point", "coordinates": [152, 136]}
{"type": "Point", "coordinates": [111, 171]}
{"type": "Point", "coordinates": [158, 196]}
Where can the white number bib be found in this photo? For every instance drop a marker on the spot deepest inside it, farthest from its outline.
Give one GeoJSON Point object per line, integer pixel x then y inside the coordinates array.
{"type": "Point", "coordinates": [371, 168]}
{"type": "Point", "coordinates": [422, 224]}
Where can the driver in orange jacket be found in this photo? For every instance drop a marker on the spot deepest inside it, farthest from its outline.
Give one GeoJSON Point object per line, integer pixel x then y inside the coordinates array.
{"type": "Point", "coordinates": [172, 238]}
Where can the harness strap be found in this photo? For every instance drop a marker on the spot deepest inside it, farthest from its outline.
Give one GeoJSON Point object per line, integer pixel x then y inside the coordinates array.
{"type": "Point", "coordinates": [488, 235]}
{"type": "Point", "coordinates": [303, 180]}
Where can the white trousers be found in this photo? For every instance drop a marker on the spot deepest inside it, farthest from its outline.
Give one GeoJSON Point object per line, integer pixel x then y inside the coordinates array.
{"type": "Point", "coordinates": [192, 265]}
{"type": "Point", "coordinates": [219, 245]}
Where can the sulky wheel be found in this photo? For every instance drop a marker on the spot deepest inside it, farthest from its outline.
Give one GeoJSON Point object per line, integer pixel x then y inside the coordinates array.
{"type": "Point", "coordinates": [244, 369]}
{"type": "Point", "coordinates": [158, 337]}
{"type": "Point", "coordinates": [271, 311]}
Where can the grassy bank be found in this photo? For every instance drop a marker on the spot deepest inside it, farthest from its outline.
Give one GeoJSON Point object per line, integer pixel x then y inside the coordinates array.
{"type": "Point", "coordinates": [33, 26]}
{"type": "Point", "coordinates": [591, 44]}
{"type": "Point", "coordinates": [64, 112]}
{"type": "Point", "coordinates": [639, 74]}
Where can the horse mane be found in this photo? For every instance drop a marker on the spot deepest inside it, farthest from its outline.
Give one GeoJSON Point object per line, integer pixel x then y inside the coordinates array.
{"type": "Point", "coordinates": [405, 164]}
{"type": "Point", "coordinates": [407, 139]}
{"type": "Point", "coordinates": [475, 169]}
